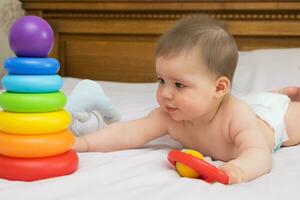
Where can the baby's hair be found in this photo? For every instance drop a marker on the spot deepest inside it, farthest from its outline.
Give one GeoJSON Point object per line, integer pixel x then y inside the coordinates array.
{"type": "Point", "coordinates": [216, 46]}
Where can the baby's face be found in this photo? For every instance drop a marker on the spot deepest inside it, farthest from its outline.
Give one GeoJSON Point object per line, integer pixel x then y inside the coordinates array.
{"type": "Point", "coordinates": [186, 89]}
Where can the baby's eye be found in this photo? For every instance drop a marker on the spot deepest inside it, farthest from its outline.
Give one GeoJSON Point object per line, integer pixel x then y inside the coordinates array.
{"type": "Point", "coordinates": [179, 85]}
{"type": "Point", "coordinates": [160, 80]}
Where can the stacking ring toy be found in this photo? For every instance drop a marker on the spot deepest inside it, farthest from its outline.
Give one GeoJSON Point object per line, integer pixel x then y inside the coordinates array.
{"type": "Point", "coordinates": [31, 169]}
{"type": "Point", "coordinates": [34, 123]}
{"type": "Point", "coordinates": [206, 171]}
{"type": "Point", "coordinates": [33, 146]}
{"type": "Point", "coordinates": [31, 66]}
{"type": "Point", "coordinates": [32, 83]}
{"type": "Point", "coordinates": [32, 102]}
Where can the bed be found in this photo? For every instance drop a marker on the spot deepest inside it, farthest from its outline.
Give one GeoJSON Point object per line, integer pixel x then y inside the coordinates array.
{"type": "Point", "coordinates": [268, 37]}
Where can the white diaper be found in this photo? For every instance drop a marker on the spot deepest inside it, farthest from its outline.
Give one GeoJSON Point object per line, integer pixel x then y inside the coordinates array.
{"type": "Point", "coordinates": [271, 107]}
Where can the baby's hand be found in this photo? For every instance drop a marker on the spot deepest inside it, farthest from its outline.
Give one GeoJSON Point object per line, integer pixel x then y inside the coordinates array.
{"type": "Point", "coordinates": [80, 145]}
{"type": "Point", "coordinates": [235, 174]}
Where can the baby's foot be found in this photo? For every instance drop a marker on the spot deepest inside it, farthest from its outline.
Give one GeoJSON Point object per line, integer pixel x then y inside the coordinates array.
{"type": "Point", "coordinates": [292, 92]}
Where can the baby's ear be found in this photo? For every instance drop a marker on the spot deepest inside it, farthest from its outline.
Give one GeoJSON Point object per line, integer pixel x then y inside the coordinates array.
{"type": "Point", "coordinates": [222, 86]}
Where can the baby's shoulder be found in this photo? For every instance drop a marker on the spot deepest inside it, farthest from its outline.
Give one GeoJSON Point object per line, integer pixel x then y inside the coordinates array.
{"type": "Point", "coordinates": [237, 107]}
{"type": "Point", "coordinates": [240, 113]}
{"type": "Point", "coordinates": [155, 122]}
{"type": "Point", "coordinates": [159, 116]}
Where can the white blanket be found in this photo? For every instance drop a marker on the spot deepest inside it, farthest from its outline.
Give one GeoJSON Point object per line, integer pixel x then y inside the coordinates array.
{"type": "Point", "coordinates": [146, 174]}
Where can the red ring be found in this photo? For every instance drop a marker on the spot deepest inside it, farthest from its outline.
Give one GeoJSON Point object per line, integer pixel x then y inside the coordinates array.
{"type": "Point", "coordinates": [207, 172]}
{"type": "Point", "coordinates": [31, 169]}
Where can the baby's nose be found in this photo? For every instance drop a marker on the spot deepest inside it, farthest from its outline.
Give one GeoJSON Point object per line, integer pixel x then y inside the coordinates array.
{"type": "Point", "coordinates": [167, 92]}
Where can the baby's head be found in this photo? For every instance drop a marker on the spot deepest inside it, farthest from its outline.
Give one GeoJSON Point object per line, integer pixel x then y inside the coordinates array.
{"type": "Point", "coordinates": [213, 44]}
{"type": "Point", "coordinates": [195, 64]}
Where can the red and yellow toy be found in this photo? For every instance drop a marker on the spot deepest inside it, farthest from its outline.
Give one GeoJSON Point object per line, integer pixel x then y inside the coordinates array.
{"type": "Point", "coordinates": [190, 163]}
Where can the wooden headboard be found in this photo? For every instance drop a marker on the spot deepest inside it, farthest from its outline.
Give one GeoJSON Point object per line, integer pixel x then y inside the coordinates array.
{"type": "Point", "coordinates": [115, 40]}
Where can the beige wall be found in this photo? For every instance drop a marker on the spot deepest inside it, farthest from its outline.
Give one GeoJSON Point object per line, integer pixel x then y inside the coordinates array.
{"type": "Point", "coordinates": [4, 49]}
{"type": "Point", "coordinates": [10, 10]}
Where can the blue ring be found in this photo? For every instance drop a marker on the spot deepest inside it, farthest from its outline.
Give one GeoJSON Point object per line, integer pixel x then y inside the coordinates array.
{"type": "Point", "coordinates": [32, 83]}
{"type": "Point", "coordinates": [33, 66]}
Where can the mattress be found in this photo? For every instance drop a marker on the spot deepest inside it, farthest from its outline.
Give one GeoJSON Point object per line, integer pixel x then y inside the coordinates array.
{"type": "Point", "coordinates": [145, 173]}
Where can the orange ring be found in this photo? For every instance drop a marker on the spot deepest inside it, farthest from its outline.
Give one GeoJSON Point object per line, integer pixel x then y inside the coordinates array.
{"type": "Point", "coordinates": [33, 146]}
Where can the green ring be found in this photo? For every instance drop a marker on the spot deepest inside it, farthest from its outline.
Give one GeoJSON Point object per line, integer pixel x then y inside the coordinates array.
{"type": "Point", "coordinates": [32, 102]}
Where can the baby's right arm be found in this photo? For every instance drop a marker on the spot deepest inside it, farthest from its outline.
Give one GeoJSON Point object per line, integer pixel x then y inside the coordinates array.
{"type": "Point", "coordinates": [253, 155]}
{"type": "Point", "coordinates": [125, 135]}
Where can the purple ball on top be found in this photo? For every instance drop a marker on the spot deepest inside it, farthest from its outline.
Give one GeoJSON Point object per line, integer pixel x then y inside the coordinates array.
{"type": "Point", "coordinates": [31, 36]}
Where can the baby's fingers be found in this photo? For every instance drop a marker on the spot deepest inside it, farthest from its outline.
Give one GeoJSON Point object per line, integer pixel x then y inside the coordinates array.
{"type": "Point", "coordinates": [235, 174]}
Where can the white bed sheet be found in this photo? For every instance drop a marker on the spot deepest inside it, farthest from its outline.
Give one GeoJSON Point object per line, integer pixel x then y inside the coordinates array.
{"type": "Point", "coordinates": [146, 174]}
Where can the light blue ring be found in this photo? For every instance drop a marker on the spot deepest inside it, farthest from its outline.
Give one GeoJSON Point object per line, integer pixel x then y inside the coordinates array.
{"type": "Point", "coordinates": [32, 83]}
{"type": "Point", "coordinates": [31, 66]}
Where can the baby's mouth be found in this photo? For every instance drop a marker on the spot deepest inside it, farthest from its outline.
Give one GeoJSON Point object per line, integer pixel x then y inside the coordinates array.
{"type": "Point", "coordinates": [170, 109]}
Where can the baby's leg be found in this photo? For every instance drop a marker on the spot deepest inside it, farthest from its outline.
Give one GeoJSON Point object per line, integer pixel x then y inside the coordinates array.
{"type": "Point", "coordinates": [292, 123]}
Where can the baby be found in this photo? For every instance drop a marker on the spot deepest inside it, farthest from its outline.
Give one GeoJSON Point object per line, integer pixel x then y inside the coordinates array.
{"type": "Point", "coordinates": [195, 63]}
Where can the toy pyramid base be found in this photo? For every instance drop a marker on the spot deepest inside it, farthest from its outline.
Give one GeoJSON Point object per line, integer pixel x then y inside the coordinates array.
{"type": "Point", "coordinates": [32, 169]}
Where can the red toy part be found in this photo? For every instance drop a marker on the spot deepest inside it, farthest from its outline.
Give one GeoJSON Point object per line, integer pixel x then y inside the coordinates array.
{"type": "Point", "coordinates": [207, 172]}
{"type": "Point", "coordinates": [31, 169]}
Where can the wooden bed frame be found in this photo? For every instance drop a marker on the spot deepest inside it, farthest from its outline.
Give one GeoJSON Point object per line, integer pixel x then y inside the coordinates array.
{"type": "Point", "coordinates": [115, 40]}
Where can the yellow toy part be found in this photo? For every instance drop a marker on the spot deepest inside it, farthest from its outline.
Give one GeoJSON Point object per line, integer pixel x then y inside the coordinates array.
{"type": "Point", "coordinates": [34, 123]}
{"type": "Point", "coordinates": [186, 171]}
{"type": "Point", "coordinates": [33, 146]}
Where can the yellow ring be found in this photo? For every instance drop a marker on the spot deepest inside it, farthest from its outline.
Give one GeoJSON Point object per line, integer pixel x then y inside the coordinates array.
{"type": "Point", "coordinates": [34, 123]}
{"type": "Point", "coordinates": [33, 146]}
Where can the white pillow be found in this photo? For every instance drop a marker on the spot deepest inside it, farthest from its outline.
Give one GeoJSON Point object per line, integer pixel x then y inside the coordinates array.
{"type": "Point", "coordinates": [265, 70]}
